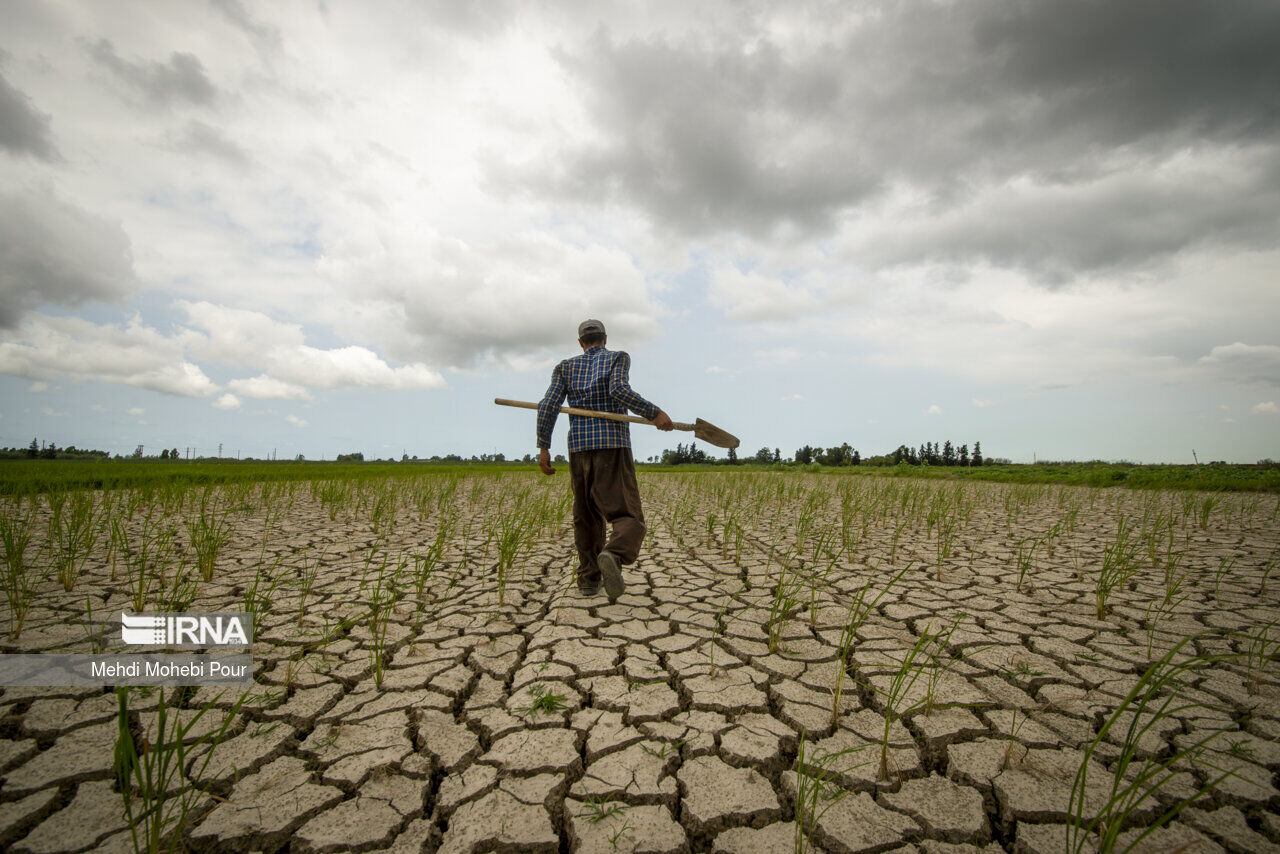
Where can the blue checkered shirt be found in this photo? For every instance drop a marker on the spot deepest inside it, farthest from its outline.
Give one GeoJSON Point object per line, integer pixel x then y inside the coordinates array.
{"type": "Point", "coordinates": [595, 380]}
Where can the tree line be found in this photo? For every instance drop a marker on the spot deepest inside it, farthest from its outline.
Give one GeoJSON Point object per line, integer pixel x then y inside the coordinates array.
{"type": "Point", "coordinates": [929, 453]}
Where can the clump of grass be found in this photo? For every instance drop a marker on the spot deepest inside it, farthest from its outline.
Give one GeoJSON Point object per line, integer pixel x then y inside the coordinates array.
{"type": "Point", "coordinates": [1260, 650]}
{"type": "Point", "coordinates": [1137, 775]}
{"type": "Point", "coordinates": [1119, 564]}
{"type": "Point", "coordinates": [600, 808]}
{"type": "Point", "coordinates": [543, 701]}
{"type": "Point", "coordinates": [208, 532]}
{"type": "Point", "coordinates": [15, 537]}
{"type": "Point", "coordinates": [815, 793]}
{"type": "Point", "coordinates": [859, 610]}
{"type": "Point", "coordinates": [152, 776]}
{"type": "Point", "coordinates": [75, 533]}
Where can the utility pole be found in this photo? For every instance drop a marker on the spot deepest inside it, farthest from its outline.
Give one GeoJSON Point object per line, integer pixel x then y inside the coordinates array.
{"type": "Point", "coordinates": [219, 450]}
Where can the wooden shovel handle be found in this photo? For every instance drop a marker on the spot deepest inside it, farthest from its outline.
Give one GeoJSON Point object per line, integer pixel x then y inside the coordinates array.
{"type": "Point", "coordinates": [591, 413]}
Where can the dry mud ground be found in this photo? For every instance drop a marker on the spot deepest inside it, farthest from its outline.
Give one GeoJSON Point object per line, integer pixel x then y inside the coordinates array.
{"type": "Point", "coordinates": [671, 726]}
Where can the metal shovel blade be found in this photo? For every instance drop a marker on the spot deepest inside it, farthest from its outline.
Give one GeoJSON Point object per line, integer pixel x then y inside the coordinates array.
{"type": "Point", "coordinates": [708, 432]}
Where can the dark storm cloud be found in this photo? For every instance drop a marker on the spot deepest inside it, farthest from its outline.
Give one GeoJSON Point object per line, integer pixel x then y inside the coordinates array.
{"type": "Point", "coordinates": [180, 80]}
{"type": "Point", "coordinates": [23, 128]}
{"type": "Point", "coordinates": [705, 134]}
{"type": "Point", "coordinates": [53, 252]}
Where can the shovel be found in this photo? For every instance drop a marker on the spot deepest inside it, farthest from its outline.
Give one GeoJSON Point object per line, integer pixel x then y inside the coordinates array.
{"type": "Point", "coordinates": [700, 429]}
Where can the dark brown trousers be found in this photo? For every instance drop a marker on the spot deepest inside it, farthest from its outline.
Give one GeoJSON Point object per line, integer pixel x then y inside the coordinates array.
{"type": "Point", "coordinates": [605, 491]}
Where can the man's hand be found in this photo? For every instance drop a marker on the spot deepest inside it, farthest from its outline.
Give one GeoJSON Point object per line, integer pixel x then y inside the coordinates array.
{"type": "Point", "coordinates": [544, 460]}
{"type": "Point", "coordinates": [663, 421]}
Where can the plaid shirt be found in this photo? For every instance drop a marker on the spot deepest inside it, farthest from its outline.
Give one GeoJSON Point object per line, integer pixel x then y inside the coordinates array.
{"type": "Point", "coordinates": [595, 380]}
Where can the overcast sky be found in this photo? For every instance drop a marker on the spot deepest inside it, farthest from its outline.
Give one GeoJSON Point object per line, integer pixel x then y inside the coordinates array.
{"type": "Point", "coordinates": [323, 227]}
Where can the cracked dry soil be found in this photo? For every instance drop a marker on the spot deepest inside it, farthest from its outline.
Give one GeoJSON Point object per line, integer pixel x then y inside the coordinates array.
{"type": "Point", "coordinates": [543, 720]}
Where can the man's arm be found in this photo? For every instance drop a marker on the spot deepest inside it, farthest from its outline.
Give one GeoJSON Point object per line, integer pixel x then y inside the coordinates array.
{"type": "Point", "coordinates": [549, 407]}
{"type": "Point", "coordinates": [621, 391]}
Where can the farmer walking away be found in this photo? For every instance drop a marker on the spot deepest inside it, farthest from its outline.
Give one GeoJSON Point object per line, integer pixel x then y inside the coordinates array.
{"type": "Point", "coordinates": [601, 468]}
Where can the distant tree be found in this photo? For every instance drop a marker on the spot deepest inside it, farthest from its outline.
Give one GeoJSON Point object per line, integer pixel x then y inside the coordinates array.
{"type": "Point", "coordinates": [137, 453]}
{"type": "Point", "coordinates": [977, 454]}
{"type": "Point", "coordinates": [733, 456]}
{"type": "Point", "coordinates": [34, 450]}
{"type": "Point", "coordinates": [164, 455]}
{"type": "Point", "coordinates": [948, 454]}
{"type": "Point", "coordinates": [173, 453]}
{"type": "Point", "coordinates": [857, 458]}
{"type": "Point", "coordinates": [299, 458]}
{"type": "Point", "coordinates": [964, 455]}
{"type": "Point", "coordinates": [49, 452]}
{"type": "Point", "coordinates": [764, 456]}
{"type": "Point", "coordinates": [355, 457]}
{"type": "Point", "coordinates": [559, 458]}
{"type": "Point", "coordinates": [804, 455]}
{"type": "Point", "coordinates": [777, 455]}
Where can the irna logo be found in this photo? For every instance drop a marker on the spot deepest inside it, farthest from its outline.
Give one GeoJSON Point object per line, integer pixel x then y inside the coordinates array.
{"type": "Point", "coordinates": [188, 630]}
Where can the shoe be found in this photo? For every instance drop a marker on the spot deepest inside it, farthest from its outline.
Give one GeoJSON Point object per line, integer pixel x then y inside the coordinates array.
{"type": "Point", "coordinates": [588, 589]}
{"type": "Point", "coordinates": [611, 571]}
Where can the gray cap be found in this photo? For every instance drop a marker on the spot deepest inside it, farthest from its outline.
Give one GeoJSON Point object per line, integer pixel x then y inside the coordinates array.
{"type": "Point", "coordinates": [587, 327]}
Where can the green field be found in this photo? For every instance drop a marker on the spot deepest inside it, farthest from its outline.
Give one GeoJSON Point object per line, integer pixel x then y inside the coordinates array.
{"type": "Point", "coordinates": [21, 477]}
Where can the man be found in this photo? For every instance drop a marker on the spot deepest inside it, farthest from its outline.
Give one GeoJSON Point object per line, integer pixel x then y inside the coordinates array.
{"type": "Point", "coordinates": [601, 468]}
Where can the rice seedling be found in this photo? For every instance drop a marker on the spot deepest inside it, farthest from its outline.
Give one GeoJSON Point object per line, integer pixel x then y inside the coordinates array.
{"type": "Point", "coordinates": [1259, 651]}
{"type": "Point", "coordinates": [146, 554]}
{"type": "Point", "coordinates": [815, 792]}
{"type": "Point", "coordinates": [1206, 508]}
{"type": "Point", "coordinates": [1119, 565]}
{"type": "Point", "coordinates": [894, 695]}
{"type": "Point", "coordinates": [1025, 559]}
{"type": "Point", "coordinates": [151, 773]}
{"type": "Point", "coordinates": [1137, 775]}
{"type": "Point", "coordinates": [1164, 608]}
{"type": "Point", "coordinates": [1268, 568]}
{"type": "Point", "coordinates": [1225, 565]}
{"type": "Point", "coordinates": [786, 599]}
{"type": "Point", "coordinates": [544, 701]}
{"type": "Point", "coordinates": [307, 575]}
{"type": "Point", "coordinates": [176, 592]}
{"type": "Point", "coordinates": [857, 615]}
{"type": "Point", "coordinates": [208, 532]}
{"type": "Point", "coordinates": [600, 808]}
{"type": "Point", "coordinates": [15, 537]}
{"type": "Point", "coordinates": [382, 600]}
{"type": "Point", "coordinates": [939, 663]}
{"type": "Point", "coordinates": [74, 536]}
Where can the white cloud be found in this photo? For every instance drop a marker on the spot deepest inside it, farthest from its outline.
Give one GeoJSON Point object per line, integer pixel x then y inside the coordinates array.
{"type": "Point", "coordinates": [755, 297]}
{"type": "Point", "coordinates": [263, 387]}
{"type": "Point", "coordinates": [295, 420]}
{"type": "Point", "coordinates": [38, 388]}
{"type": "Point", "coordinates": [136, 410]}
{"type": "Point", "coordinates": [1258, 363]}
{"type": "Point", "coordinates": [50, 411]}
{"type": "Point", "coordinates": [227, 401]}
{"type": "Point", "coordinates": [981, 404]}
{"type": "Point", "coordinates": [44, 348]}
{"type": "Point", "coordinates": [933, 410]}
{"type": "Point", "coordinates": [1267, 408]}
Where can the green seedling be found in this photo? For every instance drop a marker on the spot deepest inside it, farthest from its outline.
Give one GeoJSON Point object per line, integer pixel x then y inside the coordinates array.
{"type": "Point", "coordinates": [1260, 650]}
{"type": "Point", "coordinates": [208, 533]}
{"type": "Point", "coordinates": [815, 791]}
{"type": "Point", "coordinates": [15, 536]}
{"type": "Point", "coordinates": [859, 610]}
{"type": "Point", "coordinates": [158, 789]}
{"type": "Point", "coordinates": [1154, 698]}
{"type": "Point", "coordinates": [600, 808]}
{"type": "Point", "coordinates": [1225, 565]}
{"type": "Point", "coordinates": [75, 533]}
{"type": "Point", "coordinates": [1119, 565]}
{"type": "Point", "coordinates": [543, 701]}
